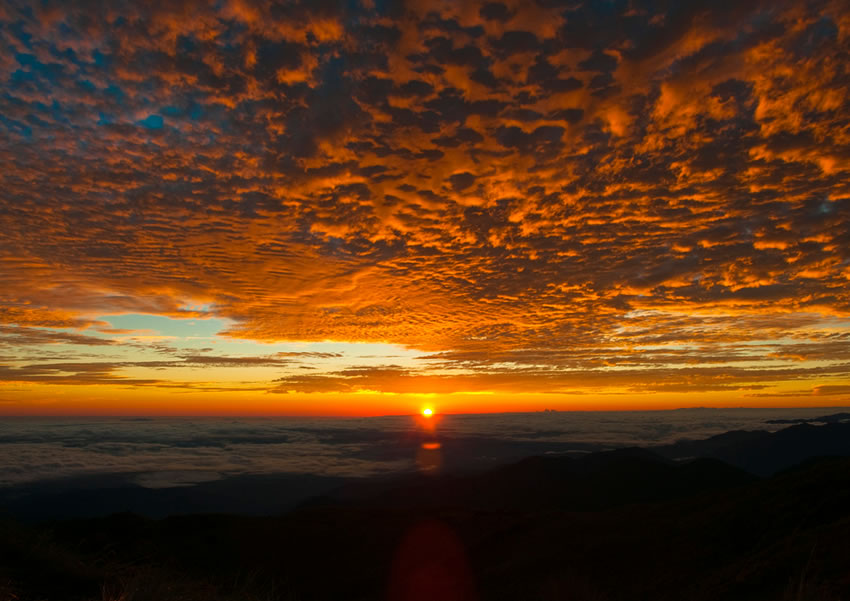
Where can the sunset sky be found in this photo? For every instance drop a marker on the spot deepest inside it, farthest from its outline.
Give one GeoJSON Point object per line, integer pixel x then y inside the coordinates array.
{"type": "Point", "coordinates": [368, 207]}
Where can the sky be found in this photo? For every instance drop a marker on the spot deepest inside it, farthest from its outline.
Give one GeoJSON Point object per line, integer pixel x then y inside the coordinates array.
{"type": "Point", "coordinates": [367, 207]}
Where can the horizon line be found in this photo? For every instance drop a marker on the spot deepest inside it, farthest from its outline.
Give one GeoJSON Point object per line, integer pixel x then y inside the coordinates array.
{"type": "Point", "coordinates": [349, 416]}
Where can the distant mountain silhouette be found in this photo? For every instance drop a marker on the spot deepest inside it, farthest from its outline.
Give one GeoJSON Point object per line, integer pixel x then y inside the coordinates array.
{"type": "Point", "coordinates": [825, 419]}
{"type": "Point", "coordinates": [595, 481]}
{"type": "Point", "coordinates": [764, 453]}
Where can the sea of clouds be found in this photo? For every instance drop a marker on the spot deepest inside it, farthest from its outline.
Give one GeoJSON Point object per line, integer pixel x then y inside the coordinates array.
{"type": "Point", "coordinates": [164, 452]}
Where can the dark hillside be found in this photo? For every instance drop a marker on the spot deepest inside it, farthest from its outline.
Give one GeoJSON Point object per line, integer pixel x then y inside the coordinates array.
{"type": "Point", "coordinates": [765, 453]}
{"type": "Point", "coordinates": [709, 533]}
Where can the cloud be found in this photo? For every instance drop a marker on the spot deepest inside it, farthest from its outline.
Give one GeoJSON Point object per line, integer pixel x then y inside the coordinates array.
{"type": "Point", "coordinates": [651, 376]}
{"type": "Point", "coordinates": [217, 361]}
{"type": "Point", "coordinates": [827, 390]}
{"type": "Point", "coordinates": [489, 180]}
{"type": "Point", "coordinates": [175, 452]}
{"type": "Point", "coordinates": [110, 372]}
{"type": "Point", "coordinates": [18, 335]}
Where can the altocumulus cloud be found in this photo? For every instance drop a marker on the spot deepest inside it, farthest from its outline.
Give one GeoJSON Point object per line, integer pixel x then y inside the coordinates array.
{"type": "Point", "coordinates": [516, 188]}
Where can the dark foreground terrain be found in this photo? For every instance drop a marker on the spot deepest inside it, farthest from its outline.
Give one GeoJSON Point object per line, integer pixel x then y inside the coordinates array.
{"type": "Point", "coordinates": [744, 515]}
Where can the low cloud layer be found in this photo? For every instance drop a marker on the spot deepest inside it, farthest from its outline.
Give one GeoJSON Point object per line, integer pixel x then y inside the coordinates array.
{"type": "Point", "coordinates": [174, 452]}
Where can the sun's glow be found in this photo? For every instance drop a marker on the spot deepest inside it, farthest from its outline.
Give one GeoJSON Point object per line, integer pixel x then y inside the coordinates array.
{"type": "Point", "coordinates": [427, 412]}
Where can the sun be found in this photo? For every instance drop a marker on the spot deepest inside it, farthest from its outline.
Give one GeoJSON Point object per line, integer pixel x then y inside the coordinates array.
{"type": "Point", "coordinates": [427, 412]}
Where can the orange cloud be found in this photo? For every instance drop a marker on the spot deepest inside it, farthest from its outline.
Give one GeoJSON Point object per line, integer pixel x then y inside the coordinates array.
{"type": "Point", "coordinates": [505, 185]}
